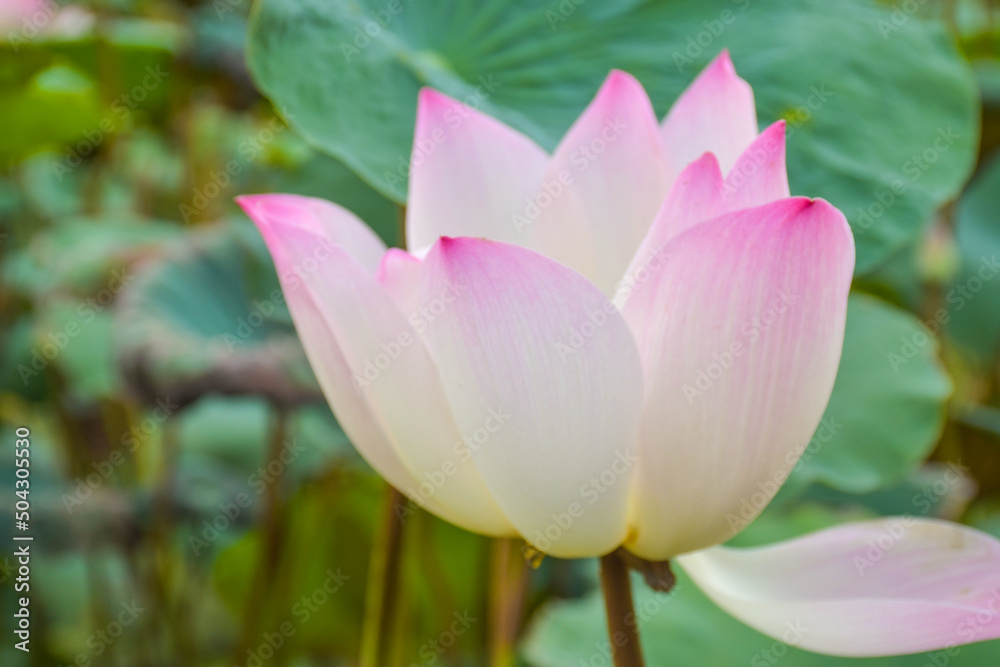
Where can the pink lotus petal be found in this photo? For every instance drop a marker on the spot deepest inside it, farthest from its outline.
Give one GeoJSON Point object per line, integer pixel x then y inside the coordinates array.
{"type": "Point", "coordinates": [759, 175]}
{"type": "Point", "coordinates": [29, 16]}
{"type": "Point", "coordinates": [370, 362]}
{"type": "Point", "coordinates": [606, 180]}
{"type": "Point", "coordinates": [740, 324]}
{"type": "Point", "coordinates": [716, 113]}
{"type": "Point", "coordinates": [543, 376]}
{"type": "Point", "coordinates": [399, 274]}
{"type": "Point", "coordinates": [319, 217]}
{"type": "Point", "coordinates": [883, 587]}
{"type": "Point", "coordinates": [700, 193]}
{"type": "Point", "coordinates": [697, 195]}
{"type": "Point", "coordinates": [470, 174]}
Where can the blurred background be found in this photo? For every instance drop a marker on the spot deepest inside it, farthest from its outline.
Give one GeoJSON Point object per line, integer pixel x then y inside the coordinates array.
{"type": "Point", "coordinates": [193, 500]}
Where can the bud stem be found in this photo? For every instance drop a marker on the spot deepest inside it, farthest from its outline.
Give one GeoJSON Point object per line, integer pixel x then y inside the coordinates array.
{"type": "Point", "coordinates": [623, 630]}
{"type": "Point", "coordinates": [383, 583]}
{"type": "Point", "coordinates": [508, 583]}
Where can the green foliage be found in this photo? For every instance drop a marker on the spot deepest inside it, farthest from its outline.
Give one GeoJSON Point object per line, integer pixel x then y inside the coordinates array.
{"type": "Point", "coordinates": [971, 316]}
{"type": "Point", "coordinates": [887, 408]}
{"type": "Point", "coordinates": [210, 317]}
{"type": "Point", "coordinates": [318, 584]}
{"type": "Point", "coordinates": [73, 94]}
{"type": "Point", "coordinates": [536, 66]}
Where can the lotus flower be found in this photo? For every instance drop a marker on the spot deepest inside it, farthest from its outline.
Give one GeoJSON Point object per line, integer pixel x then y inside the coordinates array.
{"type": "Point", "coordinates": [625, 343]}
{"type": "Point", "coordinates": [22, 20]}
{"type": "Point", "coordinates": [14, 12]}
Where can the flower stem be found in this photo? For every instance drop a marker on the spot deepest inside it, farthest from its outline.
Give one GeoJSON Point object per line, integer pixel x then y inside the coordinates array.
{"type": "Point", "coordinates": [383, 583]}
{"type": "Point", "coordinates": [622, 628]}
{"type": "Point", "coordinates": [508, 583]}
{"type": "Point", "coordinates": [271, 541]}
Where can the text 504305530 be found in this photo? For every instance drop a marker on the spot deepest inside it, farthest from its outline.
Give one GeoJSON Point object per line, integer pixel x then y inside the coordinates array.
{"type": "Point", "coordinates": [22, 552]}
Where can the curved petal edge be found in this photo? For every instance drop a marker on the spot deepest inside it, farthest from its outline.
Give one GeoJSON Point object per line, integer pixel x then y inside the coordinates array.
{"type": "Point", "coordinates": [884, 587]}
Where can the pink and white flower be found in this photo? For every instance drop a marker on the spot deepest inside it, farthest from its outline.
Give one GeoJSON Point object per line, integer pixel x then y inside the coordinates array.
{"type": "Point", "coordinates": [617, 344]}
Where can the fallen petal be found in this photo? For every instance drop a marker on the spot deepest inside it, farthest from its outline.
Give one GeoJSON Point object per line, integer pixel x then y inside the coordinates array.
{"type": "Point", "coordinates": [883, 587]}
